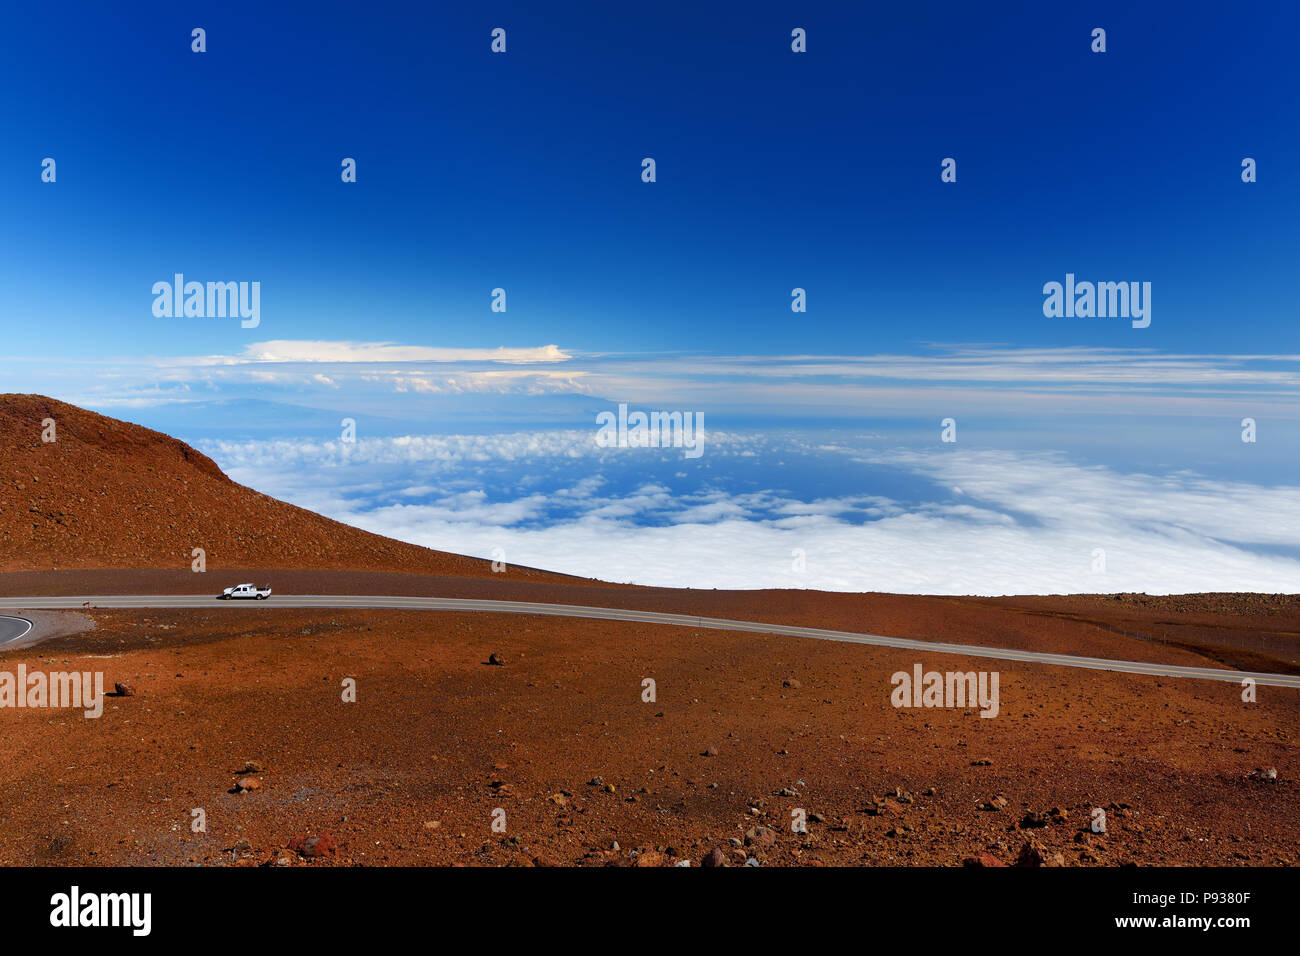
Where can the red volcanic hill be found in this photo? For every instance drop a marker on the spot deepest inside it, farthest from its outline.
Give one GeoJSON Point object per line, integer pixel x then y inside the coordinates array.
{"type": "Point", "coordinates": [108, 494]}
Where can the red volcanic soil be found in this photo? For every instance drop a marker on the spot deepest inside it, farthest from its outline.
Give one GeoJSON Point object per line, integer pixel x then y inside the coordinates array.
{"type": "Point", "coordinates": [238, 712]}
{"type": "Point", "coordinates": [108, 494]}
{"type": "Point", "coordinates": [742, 731]}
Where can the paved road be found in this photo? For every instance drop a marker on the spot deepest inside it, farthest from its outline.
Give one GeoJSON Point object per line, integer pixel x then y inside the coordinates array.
{"type": "Point", "coordinates": [647, 617]}
{"type": "Point", "coordinates": [12, 628]}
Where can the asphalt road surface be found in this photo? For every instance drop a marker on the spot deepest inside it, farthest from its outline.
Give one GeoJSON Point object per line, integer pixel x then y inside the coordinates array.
{"type": "Point", "coordinates": [12, 628]}
{"type": "Point", "coordinates": [645, 617]}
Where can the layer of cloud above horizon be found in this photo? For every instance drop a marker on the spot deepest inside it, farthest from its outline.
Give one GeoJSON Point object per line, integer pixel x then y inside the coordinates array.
{"type": "Point", "coordinates": [371, 376]}
{"type": "Point", "coordinates": [761, 512]}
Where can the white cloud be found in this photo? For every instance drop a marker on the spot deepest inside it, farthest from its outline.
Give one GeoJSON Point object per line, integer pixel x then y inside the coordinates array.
{"type": "Point", "coordinates": [1020, 523]}
{"type": "Point", "coordinates": [301, 350]}
{"type": "Point", "coordinates": [499, 382]}
{"type": "Point", "coordinates": [991, 379]}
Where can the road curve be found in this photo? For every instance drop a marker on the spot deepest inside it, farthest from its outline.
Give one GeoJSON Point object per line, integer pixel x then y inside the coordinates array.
{"type": "Point", "coordinates": [363, 602]}
{"type": "Point", "coordinates": [13, 628]}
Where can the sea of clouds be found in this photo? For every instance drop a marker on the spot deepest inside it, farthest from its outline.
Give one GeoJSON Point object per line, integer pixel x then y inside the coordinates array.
{"type": "Point", "coordinates": [795, 511]}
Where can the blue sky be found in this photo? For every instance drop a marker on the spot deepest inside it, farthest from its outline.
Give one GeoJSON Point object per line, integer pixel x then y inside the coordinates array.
{"type": "Point", "coordinates": [775, 170]}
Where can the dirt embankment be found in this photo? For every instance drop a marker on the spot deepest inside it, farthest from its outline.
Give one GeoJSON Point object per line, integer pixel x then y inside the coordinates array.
{"type": "Point", "coordinates": [109, 494]}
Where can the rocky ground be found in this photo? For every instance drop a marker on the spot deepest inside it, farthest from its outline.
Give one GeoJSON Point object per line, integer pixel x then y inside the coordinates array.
{"type": "Point", "coordinates": [557, 742]}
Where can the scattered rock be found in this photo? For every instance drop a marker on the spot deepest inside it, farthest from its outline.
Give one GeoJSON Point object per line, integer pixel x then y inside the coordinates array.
{"type": "Point", "coordinates": [760, 836]}
{"type": "Point", "coordinates": [245, 784]}
{"type": "Point", "coordinates": [792, 683]}
{"type": "Point", "coordinates": [984, 859]}
{"type": "Point", "coordinates": [715, 857]}
{"type": "Point", "coordinates": [496, 660]}
{"type": "Point", "coordinates": [885, 806]}
{"type": "Point", "coordinates": [1032, 854]}
{"type": "Point", "coordinates": [123, 690]}
{"type": "Point", "coordinates": [312, 847]}
{"type": "Point", "coordinates": [709, 752]}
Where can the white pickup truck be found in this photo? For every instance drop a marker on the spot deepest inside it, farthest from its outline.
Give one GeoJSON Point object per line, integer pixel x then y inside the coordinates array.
{"type": "Point", "coordinates": [246, 591]}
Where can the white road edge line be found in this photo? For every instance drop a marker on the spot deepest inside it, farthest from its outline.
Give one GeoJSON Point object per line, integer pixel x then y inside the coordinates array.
{"type": "Point", "coordinates": [20, 636]}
